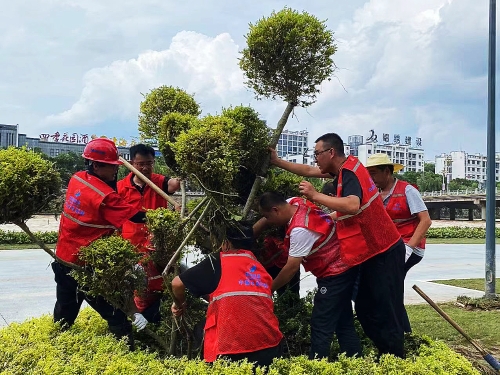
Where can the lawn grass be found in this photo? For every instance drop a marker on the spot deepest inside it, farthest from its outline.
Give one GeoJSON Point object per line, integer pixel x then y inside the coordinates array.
{"type": "Point", "coordinates": [466, 241]}
{"type": "Point", "coordinates": [480, 325]}
{"type": "Point", "coordinates": [476, 284]}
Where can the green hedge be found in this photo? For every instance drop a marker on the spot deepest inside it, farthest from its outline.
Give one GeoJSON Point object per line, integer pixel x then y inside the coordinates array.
{"type": "Point", "coordinates": [459, 232]}
{"type": "Point", "coordinates": [37, 346]}
{"type": "Point", "coordinates": [11, 237]}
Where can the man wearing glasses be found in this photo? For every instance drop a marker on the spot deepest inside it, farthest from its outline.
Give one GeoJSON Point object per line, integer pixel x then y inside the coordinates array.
{"type": "Point", "coordinates": [368, 239]}
{"type": "Point", "coordinates": [140, 195]}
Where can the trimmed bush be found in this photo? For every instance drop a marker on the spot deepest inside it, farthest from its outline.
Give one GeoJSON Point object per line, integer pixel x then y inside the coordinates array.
{"type": "Point", "coordinates": [459, 232]}
{"type": "Point", "coordinates": [38, 346]}
{"type": "Point", "coordinates": [20, 238]}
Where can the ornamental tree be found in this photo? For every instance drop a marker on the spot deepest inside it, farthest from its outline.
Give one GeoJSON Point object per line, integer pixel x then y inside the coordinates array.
{"type": "Point", "coordinates": [160, 102]}
{"type": "Point", "coordinates": [288, 55]}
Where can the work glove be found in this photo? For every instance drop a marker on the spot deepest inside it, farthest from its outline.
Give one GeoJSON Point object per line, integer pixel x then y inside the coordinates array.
{"type": "Point", "coordinates": [140, 321]}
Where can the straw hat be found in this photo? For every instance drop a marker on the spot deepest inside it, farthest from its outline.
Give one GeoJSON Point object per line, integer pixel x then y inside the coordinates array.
{"type": "Point", "coordinates": [382, 159]}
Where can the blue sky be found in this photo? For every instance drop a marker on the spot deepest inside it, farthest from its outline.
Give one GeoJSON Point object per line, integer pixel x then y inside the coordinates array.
{"type": "Point", "coordinates": [414, 67]}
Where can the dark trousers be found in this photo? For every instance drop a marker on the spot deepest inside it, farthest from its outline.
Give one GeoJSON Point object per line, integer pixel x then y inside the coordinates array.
{"type": "Point", "coordinates": [412, 260]}
{"type": "Point", "coordinates": [380, 299]}
{"type": "Point", "coordinates": [332, 313]}
{"type": "Point", "coordinates": [152, 312]}
{"type": "Point", "coordinates": [262, 357]}
{"type": "Point", "coordinates": [293, 284]}
{"type": "Point", "coordinates": [69, 298]}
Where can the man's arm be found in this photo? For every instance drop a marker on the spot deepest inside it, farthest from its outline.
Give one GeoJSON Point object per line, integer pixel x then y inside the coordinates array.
{"type": "Point", "coordinates": [172, 185]}
{"type": "Point", "coordinates": [299, 169]}
{"type": "Point", "coordinates": [349, 205]}
{"type": "Point", "coordinates": [424, 223]}
{"type": "Point", "coordinates": [179, 292]}
{"type": "Point", "coordinates": [259, 226]}
{"type": "Point", "coordinates": [291, 267]}
{"type": "Point", "coordinates": [417, 207]}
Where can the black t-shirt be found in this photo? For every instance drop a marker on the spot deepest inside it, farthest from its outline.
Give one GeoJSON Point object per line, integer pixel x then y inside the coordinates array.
{"type": "Point", "coordinates": [203, 278]}
{"type": "Point", "coordinates": [350, 184]}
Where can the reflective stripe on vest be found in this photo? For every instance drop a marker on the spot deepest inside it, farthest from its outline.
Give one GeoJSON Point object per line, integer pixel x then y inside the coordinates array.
{"type": "Point", "coordinates": [78, 178]}
{"type": "Point", "coordinates": [361, 209]}
{"type": "Point", "coordinates": [323, 243]}
{"type": "Point", "coordinates": [405, 220]}
{"type": "Point", "coordinates": [75, 220]}
{"type": "Point", "coordinates": [232, 294]}
{"type": "Point", "coordinates": [240, 255]}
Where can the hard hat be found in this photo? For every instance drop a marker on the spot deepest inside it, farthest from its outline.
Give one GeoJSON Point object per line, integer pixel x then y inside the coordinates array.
{"type": "Point", "coordinates": [102, 150]}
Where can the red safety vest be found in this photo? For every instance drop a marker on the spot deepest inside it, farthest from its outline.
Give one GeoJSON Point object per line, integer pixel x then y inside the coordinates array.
{"type": "Point", "coordinates": [81, 220]}
{"type": "Point", "coordinates": [324, 258]}
{"type": "Point", "coordinates": [400, 213]}
{"type": "Point", "coordinates": [153, 290]}
{"type": "Point", "coordinates": [240, 317]}
{"type": "Point", "coordinates": [275, 253]}
{"type": "Point", "coordinates": [370, 231]}
{"type": "Point", "coordinates": [137, 233]}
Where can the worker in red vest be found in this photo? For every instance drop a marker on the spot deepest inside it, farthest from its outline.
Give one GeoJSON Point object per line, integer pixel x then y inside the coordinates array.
{"type": "Point", "coordinates": [405, 206]}
{"type": "Point", "coordinates": [142, 197]}
{"type": "Point", "coordinates": [92, 210]}
{"type": "Point", "coordinates": [368, 238]}
{"type": "Point", "coordinates": [240, 320]}
{"type": "Point", "coordinates": [311, 241]}
{"type": "Point", "coordinates": [275, 255]}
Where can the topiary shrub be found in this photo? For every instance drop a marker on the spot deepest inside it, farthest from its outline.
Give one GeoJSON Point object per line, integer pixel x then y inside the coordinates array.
{"type": "Point", "coordinates": [28, 183]}
{"type": "Point", "coordinates": [110, 271]}
{"type": "Point", "coordinates": [167, 231]}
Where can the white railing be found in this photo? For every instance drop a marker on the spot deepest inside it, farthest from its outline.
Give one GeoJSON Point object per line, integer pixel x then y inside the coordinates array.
{"type": "Point", "coordinates": [440, 193]}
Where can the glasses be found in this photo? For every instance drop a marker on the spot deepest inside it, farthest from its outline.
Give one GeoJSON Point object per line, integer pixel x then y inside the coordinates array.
{"type": "Point", "coordinates": [143, 164]}
{"type": "Point", "coordinates": [317, 153]}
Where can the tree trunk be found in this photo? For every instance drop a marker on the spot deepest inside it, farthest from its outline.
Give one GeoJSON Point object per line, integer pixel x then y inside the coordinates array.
{"type": "Point", "coordinates": [183, 198]}
{"type": "Point", "coordinates": [265, 166]}
{"type": "Point", "coordinates": [26, 229]}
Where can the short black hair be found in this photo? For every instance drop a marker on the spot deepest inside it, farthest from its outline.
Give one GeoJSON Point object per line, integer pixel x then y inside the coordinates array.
{"type": "Point", "coordinates": [141, 149]}
{"type": "Point", "coordinates": [388, 166]}
{"type": "Point", "coordinates": [270, 199]}
{"type": "Point", "coordinates": [334, 141]}
{"type": "Point", "coordinates": [240, 236]}
{"type": "Point", "coordinates": [329, 189]}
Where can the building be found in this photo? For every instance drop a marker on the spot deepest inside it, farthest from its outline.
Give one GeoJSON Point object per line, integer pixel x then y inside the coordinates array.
{"type": "Point", "coordinates": [459, 164]}
{"type": "Point", "coordinates": [411, 158]}
{"type": "Point", "coordinates": [8, 135]}
{"type": "Point", "coordinates": [308, 157]}
{"type": "Point", "coordinates": [292, 143]}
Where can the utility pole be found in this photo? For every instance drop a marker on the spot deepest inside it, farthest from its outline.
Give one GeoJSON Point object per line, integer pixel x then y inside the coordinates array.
{"type": "Point", "coordinates": [490, 167]}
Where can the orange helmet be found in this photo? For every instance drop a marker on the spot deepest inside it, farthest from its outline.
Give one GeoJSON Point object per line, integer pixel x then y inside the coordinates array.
{"type": "Point", "coordinates": [102, 150]}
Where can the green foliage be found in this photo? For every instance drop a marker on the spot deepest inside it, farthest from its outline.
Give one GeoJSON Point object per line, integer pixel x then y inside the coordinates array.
{"type": "Point", "coordinates": [288, 55]}
{"type": "Point", "coordinates": [162, 101]}
{"type": "Point", "coordinates": [462, 184]}
{"type": "Point", "coordinates": [283, 182]}
{"type": "Point", "coordinates": [169, 127]}
{"type": "Point", "coordinates": [111, 272]}
{"type": "Point", "coordinates": [11, 237]}
{"type": "Point", "coordinates": [429, 181]}
{"type": "Point", "coordinates": [168, 234]}
{"type": "Point", "coordinates": [28, 183]}
{"type": "Point", "coordinates": [67, 164]}
{"type": "Point", "coordinates": [459, 232]}
{"type": "Point", "coordinates": [410, 176]}
{"type": "Point", "coordinates": [430, 167]}
{"type": "Point", "coordinates": [38, 346]}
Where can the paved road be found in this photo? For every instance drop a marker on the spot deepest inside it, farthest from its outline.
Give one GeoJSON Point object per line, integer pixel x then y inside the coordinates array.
{"type": "Point", "coordinates": [27, 288]}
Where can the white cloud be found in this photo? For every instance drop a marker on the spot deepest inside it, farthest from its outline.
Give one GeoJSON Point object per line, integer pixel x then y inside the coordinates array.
{"type": "Point", "coordinates": [199, 64]}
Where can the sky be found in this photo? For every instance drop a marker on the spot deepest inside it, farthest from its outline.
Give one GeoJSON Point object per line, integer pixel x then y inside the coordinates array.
{"type": "Point", "coordinates": [416, 67]}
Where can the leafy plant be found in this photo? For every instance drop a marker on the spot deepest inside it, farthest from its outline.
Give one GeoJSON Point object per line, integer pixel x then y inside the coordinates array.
{"type": "Point", "coordinates": [110, 271]}
{"type": "Point", "coordinates": [160, 102]}
{"type": "Point", "coordinates": [28, 183]}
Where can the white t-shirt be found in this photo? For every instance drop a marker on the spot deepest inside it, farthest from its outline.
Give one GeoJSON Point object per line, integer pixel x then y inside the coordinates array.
{"type": "Point", "coordinates": [301, 240]}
